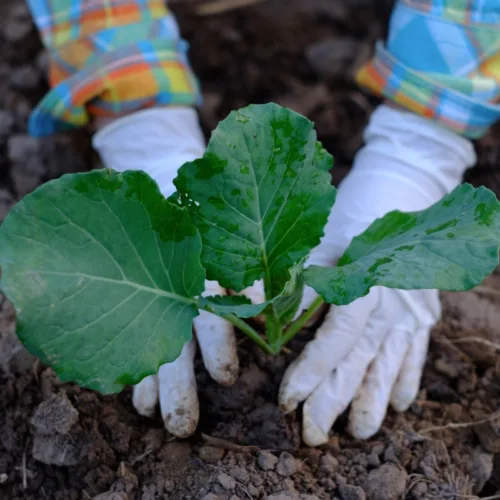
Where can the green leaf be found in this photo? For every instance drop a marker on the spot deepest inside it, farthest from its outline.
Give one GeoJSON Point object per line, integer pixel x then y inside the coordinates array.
{"type": "Point", "coordinates": [260, 196]}
{"type": "Point", "coordinates": [235, 304]}
{"type": "Point", "coordinates": [102, 271]}
{"type": "Point", "coordinates": [453, 245]}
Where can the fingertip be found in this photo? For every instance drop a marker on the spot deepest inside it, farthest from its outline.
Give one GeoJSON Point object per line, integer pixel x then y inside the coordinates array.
{"type": "Point", "coordinates": [226, 374]}
{"type": "Point", "coordinates": [182, 421]}
{"type": "Point", "coordinates": [402, 402]}
{"type": "Point", "coordinates": [287, 402]}
{"type": "Point", "coordinates": [407, 385]}
{"type": "Point", "coordinates": [313, 435]}
{"type": "Point", "coordinates": [290, 393]}
{"type": "Point", "coordinates": [362, 426]}
{"type": "Point", "coordinates": [145, 396]}
{"type": "Point", "coordinates": [288, 406]}
{"type": "Point", "coordinates": [366, 414]}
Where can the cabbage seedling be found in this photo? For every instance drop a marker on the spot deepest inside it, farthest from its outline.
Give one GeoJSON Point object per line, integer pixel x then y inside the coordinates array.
{"type": "Point", "coordinates": [106, 274]}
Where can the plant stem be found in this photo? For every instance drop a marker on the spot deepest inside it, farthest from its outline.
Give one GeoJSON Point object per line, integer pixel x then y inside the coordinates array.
{"type": "Point", "coordinates": [295, 327]}
{"type": "Point", "coordinates": [273, 330]}
{"type": "Point", "coordinates": [249, 331]}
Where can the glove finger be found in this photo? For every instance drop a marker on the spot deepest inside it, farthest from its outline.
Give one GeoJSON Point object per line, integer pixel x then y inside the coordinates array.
{"type": "Point", "coordinates": [406, 388]}
{"type": "Point", "coordinates": [334, 394]}
{"type": "Point", "coordinates": [145, 396]}
{"type": "Point", "coordinates": [372, 399]}
{"type": "Point", "coordinates": [217, 341]}
{"type": "Point", "coordinates": [255, 292]}
{"type": "Point", "coordinates": [334, 339]}
{"type": "Point", "coordinates": [218, 347]}
{"type": "Point", "coordinates": [178, 398]}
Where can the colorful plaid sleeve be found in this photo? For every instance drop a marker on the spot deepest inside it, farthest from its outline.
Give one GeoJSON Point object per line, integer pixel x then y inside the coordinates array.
{"type": "Point", "coordinates": [442, 61]}
{"type": "Point", "coordinates": [107, 58]}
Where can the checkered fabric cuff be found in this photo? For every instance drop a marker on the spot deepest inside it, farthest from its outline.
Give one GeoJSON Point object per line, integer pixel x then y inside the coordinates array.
{"type": "Point", "coordinates": [108, 58]}
{"type": "Point", "coordinates": [442, 61]}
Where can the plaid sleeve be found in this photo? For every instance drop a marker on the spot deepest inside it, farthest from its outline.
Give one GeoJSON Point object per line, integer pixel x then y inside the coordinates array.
{"type": "Point", "coordinates": [107, 58]}
{"type": "Point", "coordinates": [441, 61]}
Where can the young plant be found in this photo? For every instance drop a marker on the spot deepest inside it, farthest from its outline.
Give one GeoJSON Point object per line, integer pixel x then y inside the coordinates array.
{"type": "Point", "coordinates": [106, 275]}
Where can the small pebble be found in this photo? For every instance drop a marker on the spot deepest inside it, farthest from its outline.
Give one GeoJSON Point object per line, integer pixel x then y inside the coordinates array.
{"type": "Point", "coordinates": [240, 474]}
{"type": "Point", "coordinates": [388, 482]}
{"type": "Point", "coordinates": [112, 495]}
{"type": "Point", "coordinates": [211, 454]}
{"type": "Point", "coordinates": [267, 461]}
{"type": "Point", "coordinates": [328, 483]}
{"type": "Point", "coordinates": [226, 481]}
{"type": "Point", "coordinates": [253, 490]}
{"type": "Point", "coordinates": [210, 496]}
{"type": "Point", "coordinates": [480, 468]}
{"type": "Point", "coordinates": [390, 454]}
{"type": "Point", "coordinates": [378, 449]}
{"type": "Point", "coordinates": [286, 465]}
{"type": "Point", "coordinates": [55, 415]}
{"type": "Point", "coordinates": [446, 368]}
{"type": "Point", "coordinates": [373, 460]}
{"type": "Point", "coordinates": [340, 479]}
{"type": "Point", "coordinates": [283, 495]}
{"type": "Point", "coordinates": [419, 490]}
{"type": "Point", "coordinates": [329, 463]}
{"type": "Point", "coordinates": [349, 492]}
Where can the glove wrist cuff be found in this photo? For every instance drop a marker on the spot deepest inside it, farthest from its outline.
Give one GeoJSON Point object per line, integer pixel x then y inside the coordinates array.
{"type": "Point", "coordinates": [157, 141]}
{"type": "Point", "coordinates": [416, 149]}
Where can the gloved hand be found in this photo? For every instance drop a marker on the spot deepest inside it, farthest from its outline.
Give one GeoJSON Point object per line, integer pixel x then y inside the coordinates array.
{"type": "Point", "coordinates": [158, 141]}
{"type": "Point", "coordinates": [372, 351]}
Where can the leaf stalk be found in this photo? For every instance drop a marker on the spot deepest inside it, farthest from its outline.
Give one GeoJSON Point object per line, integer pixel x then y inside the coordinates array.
{"type": "Point", "coordinates": [296, 326]}
{"type": "Point", "coordinates": [249, 332]}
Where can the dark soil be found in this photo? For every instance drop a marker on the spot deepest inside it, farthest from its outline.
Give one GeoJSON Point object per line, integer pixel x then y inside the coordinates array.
{"type": "Point", "coordinates": [60, 442]}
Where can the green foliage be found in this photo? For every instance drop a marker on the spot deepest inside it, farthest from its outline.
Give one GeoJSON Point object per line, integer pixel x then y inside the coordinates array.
{"type": "Point", "coordinates": [106, 275]}
{"type": "Point", "coordinates": [102, 271]}
{"type": "Point", "coordinates": [452, 245]}
{"type": "Point", "coordinates": [260, 196]}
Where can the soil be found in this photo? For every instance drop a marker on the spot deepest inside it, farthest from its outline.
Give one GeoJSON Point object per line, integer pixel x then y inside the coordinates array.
{"type": "Point", "coordinates": [60, 442]}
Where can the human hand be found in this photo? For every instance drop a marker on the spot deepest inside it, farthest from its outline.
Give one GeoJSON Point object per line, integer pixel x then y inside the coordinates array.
{"type": "Point", "coordinates": [158, 141]}
{"type": "Point", "coordinates": [372, 352]}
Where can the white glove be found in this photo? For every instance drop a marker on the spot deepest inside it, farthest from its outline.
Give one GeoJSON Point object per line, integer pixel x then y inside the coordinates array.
{"type": "Point", "coordinates": [372, 351]}
{"type": "Point", "coordinates": [158, 141]}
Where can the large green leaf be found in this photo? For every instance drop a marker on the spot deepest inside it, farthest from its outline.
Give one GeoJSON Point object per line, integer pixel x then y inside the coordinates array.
{"type": "Point", "coordinates": [102, 271]}
{"type": "Point", "coordinates": [260, 196]}
{"type": "Point", "coordinates": [452, 245]}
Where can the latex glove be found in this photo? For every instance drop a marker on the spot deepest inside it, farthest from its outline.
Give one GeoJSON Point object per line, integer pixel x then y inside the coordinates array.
{"type": "Point", "coordinates": [158, 141]}
{"type": "Point", "coordinates": [372, 352]}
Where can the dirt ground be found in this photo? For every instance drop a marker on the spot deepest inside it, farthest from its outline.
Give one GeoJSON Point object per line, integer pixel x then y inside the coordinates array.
{"type": "Point", "coordinates": [60, 442]}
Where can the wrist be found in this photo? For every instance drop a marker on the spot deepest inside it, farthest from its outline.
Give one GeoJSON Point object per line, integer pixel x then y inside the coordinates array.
{"type": "Point", "coordinates": [408, 163]}
{"type": "Point", "coordinates": [157, 141]}
{"type": "Point", "coordinates": [416, 149]}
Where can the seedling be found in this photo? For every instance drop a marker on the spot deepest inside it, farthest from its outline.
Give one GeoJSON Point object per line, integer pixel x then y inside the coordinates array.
{"type": "Point", "coordinates": [106, 275]}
